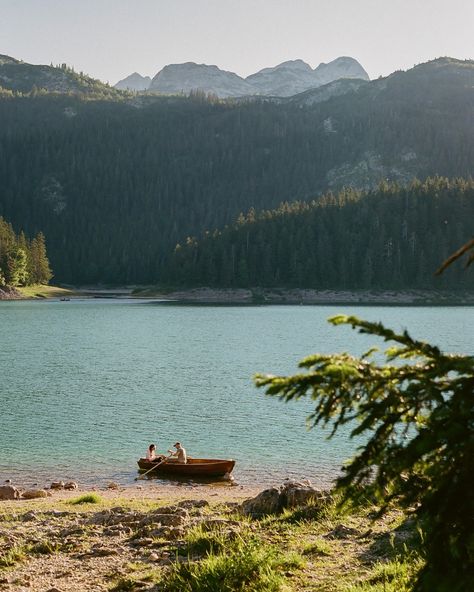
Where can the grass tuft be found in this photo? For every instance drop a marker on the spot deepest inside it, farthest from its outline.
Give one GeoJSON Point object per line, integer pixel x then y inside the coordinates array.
{"type": "Point", "coordinates": [13, 556]}
{"type": "Point", "coordinates": [317, 548]}
{"type": "Point", "coordinates": [88, 498]}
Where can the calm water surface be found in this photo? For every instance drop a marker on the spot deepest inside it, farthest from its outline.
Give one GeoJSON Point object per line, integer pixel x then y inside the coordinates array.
{"type": "Point", "coordinates": [86, 385]}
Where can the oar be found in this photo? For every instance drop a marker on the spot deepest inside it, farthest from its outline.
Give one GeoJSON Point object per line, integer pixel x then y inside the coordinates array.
{"type": "Point", "coordinates": [152, 468]}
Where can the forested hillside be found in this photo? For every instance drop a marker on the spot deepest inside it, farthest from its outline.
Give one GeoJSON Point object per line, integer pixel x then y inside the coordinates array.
{"type": "Point", "coordinates": [116, 184]}
{"type": "Point", "coordinates": [23, 262]}
{"type": "Point", "coordinates": [392, 237]}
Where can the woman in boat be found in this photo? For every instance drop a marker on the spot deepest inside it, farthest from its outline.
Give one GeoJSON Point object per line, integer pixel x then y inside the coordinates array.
{"type": "Point", "coordinates": [151, 453]}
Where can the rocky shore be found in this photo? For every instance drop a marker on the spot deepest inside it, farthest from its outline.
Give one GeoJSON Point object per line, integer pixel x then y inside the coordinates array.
{"type": "Point", "coordinates": [206, 295]}
{"type": "Point", "coordinates": [9, 293]}
{"type": "Point", "coordinates": [308, 296]}
{"type": "Point", "coordinates": [289, 537]}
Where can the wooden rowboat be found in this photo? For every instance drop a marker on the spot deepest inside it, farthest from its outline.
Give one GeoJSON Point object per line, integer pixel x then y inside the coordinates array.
{"type": "Point", "coordinates": [195, 467]}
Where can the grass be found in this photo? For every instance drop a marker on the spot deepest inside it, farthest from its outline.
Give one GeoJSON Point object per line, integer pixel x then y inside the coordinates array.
{"type": "Point", "coordinates": [243, 565]}
{"type": "Point", "coordinates": [44, 291]}
{"type": "Point", "coordinates": [390, 576]}
{"type": "Point", "coordinates": [88, 498]}
{"type": "Point", "coordinates": [13, 556]}
{"type": "Point", "coordinates": [319, 547]}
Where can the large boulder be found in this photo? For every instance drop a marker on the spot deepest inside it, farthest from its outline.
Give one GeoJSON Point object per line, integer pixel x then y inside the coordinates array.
{"type": "Point", "coordinates": [298, 493]}
{"type": "Point", "coordinates": [8, 492]}
{"type": "Point", "coordinates": [291, 494]}
{"type": "Point", "coordinates": [266, 502]}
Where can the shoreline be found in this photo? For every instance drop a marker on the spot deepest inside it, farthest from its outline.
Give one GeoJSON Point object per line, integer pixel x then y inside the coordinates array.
{"type": "Point", "coordinates": [141, 491]}
{"type": "Point", "coordinates": [246, 296]}
{"type": "Point", "coordinates": [84, 540]}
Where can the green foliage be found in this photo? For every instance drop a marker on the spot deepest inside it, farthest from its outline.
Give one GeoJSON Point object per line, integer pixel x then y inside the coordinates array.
{"type": "Point", "coordinates": [22, 262]}
{"type": "Point", "coordinates": [390, 237]}
{"type": "Point", "coordinates": [88, 498]}
{"type": "Point", "coordinates": [416, 412]}
{"type": "Point", "coordinates": [116, 184]}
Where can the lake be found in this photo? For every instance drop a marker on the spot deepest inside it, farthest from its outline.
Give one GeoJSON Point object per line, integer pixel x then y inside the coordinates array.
{"type": "Point", "coordinates": [86, 385]}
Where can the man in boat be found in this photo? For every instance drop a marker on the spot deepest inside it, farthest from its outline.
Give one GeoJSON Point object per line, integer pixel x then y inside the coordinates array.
{"type": "Point", "coordinates": [178, 455]}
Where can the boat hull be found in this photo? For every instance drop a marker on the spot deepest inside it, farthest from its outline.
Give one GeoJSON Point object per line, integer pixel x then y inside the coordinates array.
{"type": "Point", "coordinates": [195, 467]}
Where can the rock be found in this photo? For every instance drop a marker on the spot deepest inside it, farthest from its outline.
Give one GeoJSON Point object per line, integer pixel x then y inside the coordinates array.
{"type": "Point", "coordinates": [298, 493]}
{"type": "Point", "coordinates": [34, 493]}
{"type": "Point", "coordinates": [190, 504]}
{"type": "Point", "coordinates": [145, 542]}
{"type": "Point", "coordinates": [112, 485]}
{"type": "Point", "coordinates": [171, 510]}
{"type": "Point", "coordinates": [102, 552]}
{"type": "Point", "coordinates": [57, 485]}
{"type": "Point", "coordinates": [164, 519]}
{"type": "Point", "coordinates": [70, 485]}
{"type": "Point", "coordinates": [153, 556]}
{"type": "Point", "coordinates": [291, 494]}
{"type": "Point", "coordinates": [266, 502]}
{"type": "Point", "coordinates": [8, 492]}
{"type": "Point", "coordinates": [28, 516]}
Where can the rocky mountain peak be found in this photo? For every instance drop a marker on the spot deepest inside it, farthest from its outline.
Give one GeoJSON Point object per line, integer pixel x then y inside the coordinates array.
{"type": "Point", "coordinates": [135, 82]}
{"type": "Point", "coordinates": [208, 78]}
{"type": "Point", "coordinates": [283, 80]}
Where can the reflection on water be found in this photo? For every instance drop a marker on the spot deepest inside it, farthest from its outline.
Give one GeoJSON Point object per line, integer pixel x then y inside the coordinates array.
{"type": "Point", "coordinates": [86, 386]}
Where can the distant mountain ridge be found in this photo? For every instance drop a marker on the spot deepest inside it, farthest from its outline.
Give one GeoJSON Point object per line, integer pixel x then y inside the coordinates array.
{"type": "Point", "coordinates": [19, 76]}
{"type": "Point", "coordinates": [284, 80]}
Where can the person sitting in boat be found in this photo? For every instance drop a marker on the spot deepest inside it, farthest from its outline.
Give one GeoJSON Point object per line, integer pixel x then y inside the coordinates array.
{"type": "Point", "coordinates": [151, 453]}
{"type": "Point", "coordinates": [178, 455]}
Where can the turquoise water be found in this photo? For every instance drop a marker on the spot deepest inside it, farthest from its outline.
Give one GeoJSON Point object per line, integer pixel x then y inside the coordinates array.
{"type": "Point", "coordinates": [86, 385]}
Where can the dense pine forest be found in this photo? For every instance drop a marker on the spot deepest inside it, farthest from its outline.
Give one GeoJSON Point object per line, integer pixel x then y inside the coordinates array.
{"type": "Point", "coordinates": [392, 237]}
{"type": "Point", "coordinates": [115, 184]}
{"type": "Point", "coordinates": [23, 262]}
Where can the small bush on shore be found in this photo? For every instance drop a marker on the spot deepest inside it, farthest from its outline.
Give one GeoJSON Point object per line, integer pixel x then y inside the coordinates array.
{"type": "Point", "coordinates": [88, 498]}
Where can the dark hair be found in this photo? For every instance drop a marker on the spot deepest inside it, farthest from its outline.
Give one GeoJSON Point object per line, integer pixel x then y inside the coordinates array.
{"type": "Point", "coordinates": [178, 444]}
{"type": "Point", "coordinates": [151, 447]}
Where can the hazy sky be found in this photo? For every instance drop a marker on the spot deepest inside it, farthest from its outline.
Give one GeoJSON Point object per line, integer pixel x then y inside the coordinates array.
{"type": "Point", "coordinates": [110, 39]}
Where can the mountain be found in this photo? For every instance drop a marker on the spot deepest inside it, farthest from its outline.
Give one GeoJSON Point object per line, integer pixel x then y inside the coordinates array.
{"type": "Point", "coordinates": [135, 82]}
{"type": "Point", "coordinates": [343, 67]}
{"type": "Point", "coordinates": [327, 91]}
{"type": "Point", "coordinates": [19, 76]}
{"type": "Point", "coordinates": [116, 183]}
{"type": "Point", "coordinates": [184, 78]}
{"type": "Point", "coordinates": [291, 78]}
{"type": "Point", "coordinates": [284, 80]}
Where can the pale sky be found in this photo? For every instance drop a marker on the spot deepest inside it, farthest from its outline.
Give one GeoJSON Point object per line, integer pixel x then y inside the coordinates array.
{"type": "Point", "coordinates": [110, 39]}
